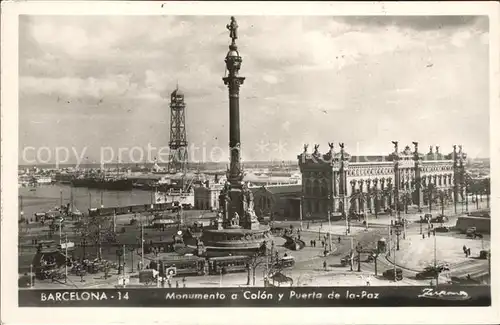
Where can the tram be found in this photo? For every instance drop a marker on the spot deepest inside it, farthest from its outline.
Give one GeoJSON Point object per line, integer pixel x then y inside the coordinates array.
{"type": "Point", "coordinates": [195, 265]}
{"type": "Point", "coordinates": [228, 264]}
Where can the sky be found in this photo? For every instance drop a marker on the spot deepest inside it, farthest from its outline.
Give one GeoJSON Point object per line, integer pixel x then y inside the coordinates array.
{"type": "Point", "coordinates": [93, 85]}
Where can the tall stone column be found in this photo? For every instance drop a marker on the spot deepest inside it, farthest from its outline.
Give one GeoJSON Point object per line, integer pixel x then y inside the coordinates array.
{"type": "Point", "coordinates": [239, 198]}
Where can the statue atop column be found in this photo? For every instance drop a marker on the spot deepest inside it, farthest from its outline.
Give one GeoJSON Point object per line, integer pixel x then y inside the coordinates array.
{"type": "Point", "coordinates": [233, 29]}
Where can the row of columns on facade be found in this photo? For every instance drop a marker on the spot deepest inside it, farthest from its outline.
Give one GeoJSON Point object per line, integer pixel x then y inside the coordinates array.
{"type": "Point", "coordinates": [407, 182]}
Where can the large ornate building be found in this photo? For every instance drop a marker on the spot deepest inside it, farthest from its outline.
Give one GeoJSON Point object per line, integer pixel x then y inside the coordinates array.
{"type": "Point", "coordinates": [336, 182]}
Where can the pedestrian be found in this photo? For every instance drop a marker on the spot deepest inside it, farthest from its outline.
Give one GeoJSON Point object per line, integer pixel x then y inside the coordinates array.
{"type": "Point", "coordinates": [464, 248]}
{"type": "Point", "coordinates": [298, 236]}
{"type": "Point", "coordinates": [324, 265]}
{"type": "Point", "coordinates": [184, 281]}
{"type": "Point", "coordinates": [322, 243]}
{"type": "Point", "coordinates": [429, 234]}
{"type": "Point", "coordinates": [311, 242]}
{"type": "Point", "coordinates": [423, 236]}
{"type": "Point", "coordinates": [432, 226]}
{"type": "Point", "coordinates": [177, 284]}
{"type": "Point", "coordinates": [339, 239]}
{"type": "Point", "coordinates": [169, 283]}
{"type": "Point", "coordinates": [468, 251]}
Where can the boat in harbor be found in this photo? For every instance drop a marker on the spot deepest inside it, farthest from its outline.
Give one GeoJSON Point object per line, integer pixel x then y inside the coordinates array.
{"type": "Point", "coordinates": [105, 183]}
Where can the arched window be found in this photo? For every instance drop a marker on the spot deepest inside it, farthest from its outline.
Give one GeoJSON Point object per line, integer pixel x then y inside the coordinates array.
{"type": "Point", "coordinates": [317, 188]}
{"type": "Point", "coordinates": [324, 188]}
{"type": "Point", "coordinates": [309, 190]}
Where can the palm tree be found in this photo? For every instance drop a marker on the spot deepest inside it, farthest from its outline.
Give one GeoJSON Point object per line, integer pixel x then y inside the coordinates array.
{"type": "Point", "coordinates": [377, 195]}
{"type": "Point", "coordinates": [442, 197]}
{"type": "Point", "coordinates": [486, 187]}
{"type": "Point", "coordinates": [475, 189]}
{"type": "Point", "coordinates": [388, 191]}
{"type": "Point", "coordinates": [430, 192]}
{"type": "Point", "coordinates": [406, 197]}
{"type": "Point", "coordinates": [358, 196]}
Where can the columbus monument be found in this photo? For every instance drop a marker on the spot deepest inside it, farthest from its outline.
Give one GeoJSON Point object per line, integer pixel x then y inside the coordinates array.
{"type": "Point", "coordinates": [236, 229]}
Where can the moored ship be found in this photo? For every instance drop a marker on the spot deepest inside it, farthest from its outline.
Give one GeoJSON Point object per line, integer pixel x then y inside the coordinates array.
{"type": "Point", "coordinates": [109, 183]}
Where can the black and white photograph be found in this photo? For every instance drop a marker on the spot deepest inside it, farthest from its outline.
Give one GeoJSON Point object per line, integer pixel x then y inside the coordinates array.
{"type": "Point", "coordinates": [232, 159]}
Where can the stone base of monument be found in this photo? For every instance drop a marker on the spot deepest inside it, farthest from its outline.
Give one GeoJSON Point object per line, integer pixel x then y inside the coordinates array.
{"type": "Point", "coordinates": [235, 241]}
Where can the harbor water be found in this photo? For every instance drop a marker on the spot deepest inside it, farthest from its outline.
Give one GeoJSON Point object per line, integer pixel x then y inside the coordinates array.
{"type": "Point", "coordinates": [47, 197]}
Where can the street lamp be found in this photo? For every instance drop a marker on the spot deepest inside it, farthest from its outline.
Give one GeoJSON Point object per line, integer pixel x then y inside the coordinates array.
{"type": "Point", "coordinates": [84, 245]}
{"type": "Point", "coordinates": [397, 231]}
{"type": "Point", "coordinates": [131, 248]}
{"type": "Point", "coordinates": [359, 248]}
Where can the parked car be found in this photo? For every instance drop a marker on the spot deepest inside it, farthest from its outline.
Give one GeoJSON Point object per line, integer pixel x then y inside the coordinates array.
{"type": "Point", "coordinates": [442, 229]}
{"type": "Point", "coordinates": [472, 233]}
{"type": "Point", "coordinates": [345, 260]}
{"type": "Point", "coordinates": [466, 280]}
{"type": "Point", "coordinates": [389, 274]}
{"type": "Point", "coordinates": [484, 254]}
{"type": "Point", "coordinates": [431, 272]}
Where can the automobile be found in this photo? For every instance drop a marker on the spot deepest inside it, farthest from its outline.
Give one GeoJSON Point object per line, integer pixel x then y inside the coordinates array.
{"type": "Point", "coordinates": [483, 255]}
{"type": "Point", "coordinates": [472, 233]}
{"type": "Point", "coordinates": [346, 260]}
{"type": "Point", "coordinates": [442, 229]}
{"type": "Point", "coordinates": [431, 272]}
{"type": "Point", "coordinates": [389, 274]}
{"type": "Point", "coordinates": [286, 261]}
{"type": "Point", "coordinates": [465, 280]}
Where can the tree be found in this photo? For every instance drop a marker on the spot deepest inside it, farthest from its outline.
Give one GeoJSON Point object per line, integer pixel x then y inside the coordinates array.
{"type": "Point", "coordinates": [442, 196]}
{"type": "Point", "coordinates": [255, 261]}
{"type": "Point", "coordinates": [430, 192]}
{"type": "Point", "coordinates": [377, 195]}
{"type": "Point", "coordinates": [360, 197]}
{"type": "Point", "coordinates": [406, 198]}
{"type": "Point", "coordinates": [486, 189]}
{"type": "Point", "coordinates": [388, 192]}
{"type": "Point", "coordinates": [475, 188]}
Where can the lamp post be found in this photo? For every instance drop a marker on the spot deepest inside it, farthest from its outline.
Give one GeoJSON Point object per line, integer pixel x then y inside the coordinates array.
{"type": "Point", "coordinates": [60, 230]}
{"type": "Point", "coordinates": [397, 231]}
{"type": "Point", "coordinates": [84, 245]}
{"type": "Point", "coordinates": [435, 261]}
{"type": "Point", "coordinates": [142, 244]}
{"type": "Point", "coordinates": [375, 258]}
{"type": "Point", "coordinates": [66, 261]}
{"type": "Point", "coordinates": [421, 221]}
{"type": "Point", "coordinates": [359, 248]}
